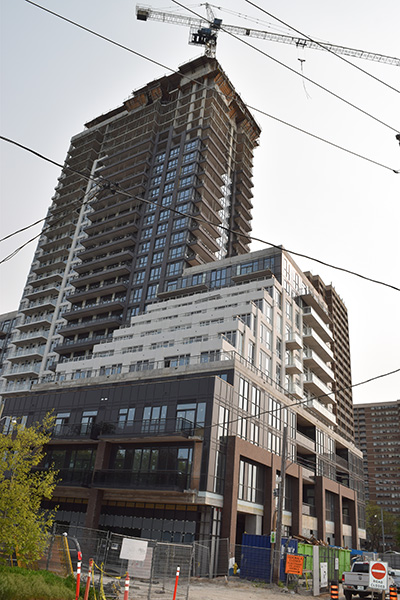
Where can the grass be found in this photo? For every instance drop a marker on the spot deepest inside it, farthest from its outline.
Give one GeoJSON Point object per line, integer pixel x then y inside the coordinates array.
{"type": "Point", "coordinates": [23, 584]}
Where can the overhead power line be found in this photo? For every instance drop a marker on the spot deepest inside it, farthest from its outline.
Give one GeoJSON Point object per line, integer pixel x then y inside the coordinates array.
{"type": "Point", "coordinates": [282, 64]}
{"type": "Point", "coordinates": [283, 122]}
{"type": "Point", "coordinates": [121, 191]}
{"type": "Point", "coordinates": [323, 47]}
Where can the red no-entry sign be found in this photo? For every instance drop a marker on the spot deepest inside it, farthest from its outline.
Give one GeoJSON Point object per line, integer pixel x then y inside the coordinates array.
{"type": "Point", "coordinates": [378, 575]}
{"type": "Point", "coordinates": [378, 570]}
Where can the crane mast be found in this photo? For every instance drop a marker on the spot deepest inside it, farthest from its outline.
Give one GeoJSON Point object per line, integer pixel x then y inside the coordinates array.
{"type": "Point", "coordinates": [204, 32]}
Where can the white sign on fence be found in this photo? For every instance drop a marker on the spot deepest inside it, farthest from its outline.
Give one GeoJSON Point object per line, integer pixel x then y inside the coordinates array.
{"type": "Point", "coordinates": [324, 574]}
{"type": "Point", "coordinates": [133, 549]}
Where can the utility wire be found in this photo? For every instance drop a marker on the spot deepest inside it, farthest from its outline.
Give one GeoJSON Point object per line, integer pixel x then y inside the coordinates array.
{"type": "Point", "coordinates": [324, 47]}
{"type": "Point", "coordinates": [282, 64]}
{"type": "Point", "coordinates": [396, 171]}
{"type": "Point", "coordinates": [22, 229]}
{"type": "Point", "coordinates": [194, 217]}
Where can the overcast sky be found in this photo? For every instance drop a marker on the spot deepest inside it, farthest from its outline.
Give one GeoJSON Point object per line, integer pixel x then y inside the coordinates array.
{"type": "Point", "coordinates": [308, 196]}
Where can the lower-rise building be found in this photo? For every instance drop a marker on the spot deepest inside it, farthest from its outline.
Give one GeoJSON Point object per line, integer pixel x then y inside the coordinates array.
{"type": "Point", "coordinates": [173, 429]}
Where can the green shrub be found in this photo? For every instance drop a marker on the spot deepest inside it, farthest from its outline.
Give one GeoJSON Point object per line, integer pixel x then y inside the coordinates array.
{"type": "Point", "coordinates": [22, 584]}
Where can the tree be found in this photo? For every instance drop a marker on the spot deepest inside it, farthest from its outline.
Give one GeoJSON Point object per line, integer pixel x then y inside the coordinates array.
{"type": "Point", "coordinates": [24, 525]}
{"type": "Point", "coordinates": [374, 526]}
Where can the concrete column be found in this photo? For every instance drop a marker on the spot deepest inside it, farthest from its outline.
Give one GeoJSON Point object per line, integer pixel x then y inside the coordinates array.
{"type": "Point", "coordinates": [93, 510]}
{"type": "Point", "coordinates": [320, 497]}
{"type": "Point", "coordinates": [229, 514]}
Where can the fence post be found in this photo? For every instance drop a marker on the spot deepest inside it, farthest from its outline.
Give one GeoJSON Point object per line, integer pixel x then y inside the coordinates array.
{"type": "Point", "coordinates": [78, 575]}
{"type": "Point", "coordinates": [176, 582]}
{"type": "Point", "coordinates": [86, 596]}
{"type": "Point", "coordinates": [126, 592]}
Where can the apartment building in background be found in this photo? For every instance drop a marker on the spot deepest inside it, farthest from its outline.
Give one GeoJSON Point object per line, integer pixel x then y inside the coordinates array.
{"type": "Point", "coordinates": [7, 324]}
{"type": "Point", "coordinates": [173, 428]}
{"type": "Point", "coordinates": [377, 433]}
{"type": "Point", "coordinates": [158, 184]}
{"type": "Point", "coordinates": [174, 359]}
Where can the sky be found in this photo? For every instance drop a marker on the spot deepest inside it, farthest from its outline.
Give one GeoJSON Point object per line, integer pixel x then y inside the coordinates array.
{"type": "Point", "coordinates": [310, 197]}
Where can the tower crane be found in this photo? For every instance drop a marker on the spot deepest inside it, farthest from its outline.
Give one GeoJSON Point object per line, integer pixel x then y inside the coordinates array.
{"type": "Point", "coordinates": [204, 32]}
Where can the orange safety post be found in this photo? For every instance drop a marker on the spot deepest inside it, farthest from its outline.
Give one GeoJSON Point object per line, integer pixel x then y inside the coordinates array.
{"type": "Point", "coordinates": [126, 592]}
{"type": "Point", "coordinates": [78, 575]}
{"type": "Point", "coordinates": [178, 569]}
{"type": "Point", "coordinates": [86, 596]}
{"type": "Point", "coordinates": [393, 592]}
{"type": "Point", "coordinates": [334, 591]}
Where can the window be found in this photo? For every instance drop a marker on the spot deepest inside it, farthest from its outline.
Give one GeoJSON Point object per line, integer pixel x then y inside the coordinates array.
{"type": "Point", "coordinates": [154, 419]}
{"type": "Point", "coordinates": [191, 145]}
{"type": "Point", "coordinates": [157, 257]}
{"type": "Point", "coordinates": [144, 247]}
{"type": "Point", "coordinates": [87, 421]}
{"type": "Point", "coordinates": [178, 237]}
{"type": "Point", "coordinates": [188, 415]}
{"type": "Point", "coordinates": [152, 291]}
{"type": "Point", "coordinates": [169, 187]}
{"type": "Point", "coordinates": [172, 163]}
{"type": "Point", "coordinates": [137, 294]}
{"type": "Point", "coordinates": [125, 417]}
{"type": "Point", "coordinates": [162, 228]}
{"type": "Point", "coordinates": [273, 443]}
{"type": "Point", "coordinates": [158, 169]}
{"type": "Point", "coordinates": [274, 414]}
{"type": "Point", "coordinates": [255, 401]}
{"type": "Point", "coordinates": [154, 192]}
{"type": "Point", "coordinates": [174, 152]}
{"type": "Point", "coordinates": [167, 200]}
{"type": "Point", "coordinates": [251, 482]}
{"type": "Point", "coordinates": [141, 262]}
{"type": "Point", "coordinates": [155, 273]}
{"type": "Point", "coordinates": [188, 169]}
{"type": "Point", "coordinates": [146, 233]}
{"type": "Point", "coordinates": [174, 268]}
{"type": "Point", "coordinates": [156, 180]}
{"type": "Point", "coordinates": [111, 370]}
{"type": "Point", "coordinates": [251, 352]}
{"type": "Point", "coordinates": [148, 220]}
{"type": "Point", "coordinates": [138, 277]}
{"type": "Point", "coordinates": [223, 422]}
{"type": "Point", "coordinates": [61, 420]}
{"type": "Point", "coordinates": [279, 347]}
{"type": "Point", "coordinates": [164, 215]}
{"type": "Point", "coordinates": [170, 175]}
{"type": "Point", "coordinates": [189, 157]}
{"type": "Point", "coordinates": [265, 336]}
{"type": "Point", "coordinates": [210, 356]}
{"type": "Point", "coordinates": [177, 361]}
{"type": "Point", "coordinates": [185, 181]}
{"type": "Point", "coordinates": [264, 363]}
{"type": "Point", "coordinates": [243, 393]}
{"type": "Point", "coordinates": [218, 278]}
{"type": "Point", "coordinates": [176, 252]}
{"type": "Point", "coordinates": [159, 243]}
{"type": "Point", "coordinates": [160, 157]}
{"type": "Point", "coordinates": [180, 223]}
{"type": "Point", "coordinates": [288, 310]}
{"type": "Point", "coordinates": [184, 195]}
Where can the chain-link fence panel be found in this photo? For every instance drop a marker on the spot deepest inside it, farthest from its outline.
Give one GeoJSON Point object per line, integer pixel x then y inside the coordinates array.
{"type": "Point", "coordinates": [166, 559]}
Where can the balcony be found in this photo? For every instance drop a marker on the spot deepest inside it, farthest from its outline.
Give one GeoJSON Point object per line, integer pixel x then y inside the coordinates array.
{"type": "Point", "coordinates": [312, 361]}
{"type": "Point", "coordinates": [202, 250]}
{"type": "Point", "coordinates": [316, 387]}
{"type": "Point", "coordinates": [312, 319]}
{"type": "Point", "coordinates": [293, 341]}
{"type": "Point", "coordinates": [308, 510]}
{"type": "Point", "coordinates": [52, 288]}
{"type": "Point", "coordinates": [120, 285]}
{"type": "Point", "coordinates": [91, 325]}
{"type": "Point", "coordinates": [94, 248]}
{"type": "Point", "coordinates": [305, 442]}
{"type": "Point", "coordinates": [43, 304]}
{"type": "Point", "coordinates": [103, 260]}
{"type": "Point", "coordinates": [81, 344]}
{"type": "Point", "coordinates": [93, 308]}
{"type": "Point", "coordinates": [20, 354]}
{"type": "Point", "coordinates": [311, 298]}
{"type": "Point", "coordinates": [72, 477]}
{"type": "Point", "coordinates": [296, 390]}
{"type": "Point", "coordinates": [293, 365]}
{"type": "Point", "coordinates": [39, 320]}
{"type": "Point", "coordinates": [34, 336]}
{"type": "Point", "coordinates": [29, 370]}
{"type": "Point", "coordinates": [117, 270]}
{"type": "Point", "coordinates": [320, 411]}
{"type": "Point", "coordinates": [313, 341]}
{"type": "Point", "coordinates": [47, 278]}
{"type": "Point", "coordinates": [156, 480]}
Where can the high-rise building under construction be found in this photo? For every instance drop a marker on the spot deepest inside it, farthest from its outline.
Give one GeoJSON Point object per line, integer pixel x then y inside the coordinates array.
{"type": "Point", "coordinates": [161, 182]}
